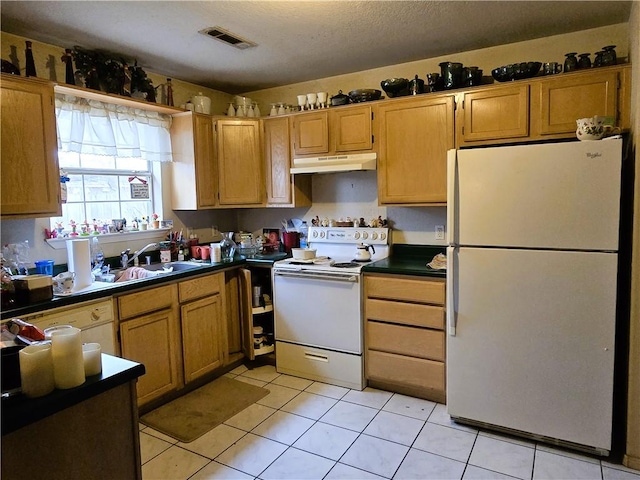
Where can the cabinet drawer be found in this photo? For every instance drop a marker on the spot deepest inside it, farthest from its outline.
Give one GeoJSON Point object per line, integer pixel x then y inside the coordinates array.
{"type": "Point", "coordinates": [135, 304]}
{"type": "Point", "coordinates": [408, 289]}
{"type": "Point", "coordinates": [413, 314]}
{"type": "Point", "coordinates": [199, 287]}
{"type": "Point", "coordinates": [409, 371]}
{"type": "Point", "coordinates": [411, 341]}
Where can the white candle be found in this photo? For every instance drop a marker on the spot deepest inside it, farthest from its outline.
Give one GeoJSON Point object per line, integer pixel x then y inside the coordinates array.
{"type": "Point", "coordinates": [36, 370]}
{"type": "Point", "coordinates": [91, 352]}
{"type": "Point", "coordinates": [68, 364]}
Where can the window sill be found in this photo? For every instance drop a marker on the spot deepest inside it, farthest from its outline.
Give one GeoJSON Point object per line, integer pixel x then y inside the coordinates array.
{"type": "Point", "coordinates": [104, 238]}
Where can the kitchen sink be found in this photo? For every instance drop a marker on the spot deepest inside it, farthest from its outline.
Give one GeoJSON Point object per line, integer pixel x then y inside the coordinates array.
{"type": "Point", "coordinates": [159, 268]}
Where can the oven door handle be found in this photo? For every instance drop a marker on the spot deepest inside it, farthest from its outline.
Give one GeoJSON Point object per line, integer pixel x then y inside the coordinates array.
{"type": "Point", "coordinates": [319, 276]}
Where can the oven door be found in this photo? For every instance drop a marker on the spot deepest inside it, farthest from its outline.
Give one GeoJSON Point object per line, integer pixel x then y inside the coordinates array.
{"type": "Point", "coordinates": [318, 309]}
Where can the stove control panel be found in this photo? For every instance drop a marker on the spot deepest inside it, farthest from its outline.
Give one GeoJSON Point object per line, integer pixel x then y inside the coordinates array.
{"type": "Point", "coordinates": [372, 236]}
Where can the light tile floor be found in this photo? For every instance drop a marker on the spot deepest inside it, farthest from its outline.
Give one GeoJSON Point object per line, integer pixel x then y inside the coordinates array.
{"type": "Point", "coordinates": [310, 430]}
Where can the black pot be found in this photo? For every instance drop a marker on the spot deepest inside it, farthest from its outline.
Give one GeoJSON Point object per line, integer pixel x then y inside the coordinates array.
{"type": "Point", "coordinates": [340, 99]}
{"type": "Point", "coordinates": [416, 86]}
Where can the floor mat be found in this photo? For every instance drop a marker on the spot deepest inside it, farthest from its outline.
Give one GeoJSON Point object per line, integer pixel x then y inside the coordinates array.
{"type": "Point", "coordinates": [197, 412]}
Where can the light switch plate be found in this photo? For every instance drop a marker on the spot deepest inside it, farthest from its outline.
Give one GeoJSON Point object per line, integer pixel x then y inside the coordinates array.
{"type": "Point", "coordinates": [439, 232]}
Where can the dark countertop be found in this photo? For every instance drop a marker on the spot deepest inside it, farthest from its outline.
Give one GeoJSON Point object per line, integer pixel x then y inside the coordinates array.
{"type": "Point", "coordinates": [19, 411]}
{"type": "Point", "coordinates": [119, 288]}
{"type": "Point", "coordinates": [408, 260]}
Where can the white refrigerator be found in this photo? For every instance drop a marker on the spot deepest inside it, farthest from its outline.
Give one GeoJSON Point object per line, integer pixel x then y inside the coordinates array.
{"type": "Point", "coordinates": [531, 289]}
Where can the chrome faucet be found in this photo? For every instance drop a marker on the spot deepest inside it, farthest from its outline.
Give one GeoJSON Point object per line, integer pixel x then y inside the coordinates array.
{"type": "Point", "coordinates": [125, 254]}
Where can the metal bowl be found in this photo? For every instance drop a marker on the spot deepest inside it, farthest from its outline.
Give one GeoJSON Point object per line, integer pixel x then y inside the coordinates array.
{"type": "Point", "coordinates": [395, 87]}
{"type": "Point", "coordinates": [364, 95]}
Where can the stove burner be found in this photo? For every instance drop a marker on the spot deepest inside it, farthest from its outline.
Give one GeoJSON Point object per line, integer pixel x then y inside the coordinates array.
{"type": "Point", "coordinates": [346, 265]}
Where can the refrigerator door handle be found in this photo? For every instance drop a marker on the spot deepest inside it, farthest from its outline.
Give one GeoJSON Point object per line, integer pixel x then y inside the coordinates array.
{"type": "Point", "coordinates": [452, 317]}
{"type": "Point", "coordinates": [451, 196]}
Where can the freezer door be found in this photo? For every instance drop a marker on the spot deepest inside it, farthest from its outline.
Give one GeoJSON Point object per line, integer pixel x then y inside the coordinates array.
{"type": "Point", "coordinates": [560, 195]}
{"type": "Point", "coordinates": [534, 344]}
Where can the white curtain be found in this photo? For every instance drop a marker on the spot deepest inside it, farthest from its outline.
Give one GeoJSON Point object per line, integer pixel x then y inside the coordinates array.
{"type": "Point", "coordinates": [90, 126]}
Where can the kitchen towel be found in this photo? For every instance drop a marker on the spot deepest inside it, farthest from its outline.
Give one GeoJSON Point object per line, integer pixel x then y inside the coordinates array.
{"type": "Point", "coordinates": [197, 412]}
{"type": "Point", "coordinates": [79, 261]}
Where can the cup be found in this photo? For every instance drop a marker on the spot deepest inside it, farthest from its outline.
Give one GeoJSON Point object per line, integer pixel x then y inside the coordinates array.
{"type": "Point", "coordinates": [312, 98]}
{"type": "Point", "coordinates": [44, 267]}
{"type": "Point", "coordinates": [195, 252]}
{"type": "Point", "coordinates": [92, 359]}
{"type": "Point", "coordinates": [551, 68]}
{"type": "Point", "coordinates": [216, 253]}
{"type": "Point", "coordinates": [291, 240]}
{"type": "Point", "coordinates": [204, 252]}
{"type": "Point", "coordinates": [36, 370]}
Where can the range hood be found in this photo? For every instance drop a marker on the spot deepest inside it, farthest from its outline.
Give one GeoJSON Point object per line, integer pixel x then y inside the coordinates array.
{"type": "Point", "coordinates": [335, 163]}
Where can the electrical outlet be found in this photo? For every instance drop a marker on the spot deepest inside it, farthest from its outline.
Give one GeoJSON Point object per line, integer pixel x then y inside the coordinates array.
{"type": "Point", "coordinates": [439, 232]}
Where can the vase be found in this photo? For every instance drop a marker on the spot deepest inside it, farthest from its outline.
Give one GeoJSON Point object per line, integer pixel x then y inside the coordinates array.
{"type": "Point", "coordinates": [30, 64]}
{"type": "Point", "coordinates": [227, 247]}
{"type": "Point", "coordinates": [155, 224]}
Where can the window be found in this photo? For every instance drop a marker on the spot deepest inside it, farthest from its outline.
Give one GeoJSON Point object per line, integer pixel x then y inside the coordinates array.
{"type": "Point", "coordinates": [99, 189]}
{"type": "Point", "coordinates": [109, 154]}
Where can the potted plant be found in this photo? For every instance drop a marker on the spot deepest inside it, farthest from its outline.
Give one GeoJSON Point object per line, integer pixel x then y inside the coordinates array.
{"type": "Point", "coordinates": [155, 223]}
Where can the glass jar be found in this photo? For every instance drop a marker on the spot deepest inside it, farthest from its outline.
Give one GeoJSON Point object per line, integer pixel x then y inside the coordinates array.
{"type": "Point", "coordinates": [609, 55]}
{"type": "Point", "coordinates": [597, 62]}
{"type": "Point", "coordinates": [227, 247]}
{"type": "Point", "coordinates": [584, 61]}
{"type": "Point", "coordinates": [571, 62]}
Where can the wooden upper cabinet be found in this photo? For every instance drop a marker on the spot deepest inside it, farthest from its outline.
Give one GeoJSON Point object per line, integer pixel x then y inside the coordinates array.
{"type": "Point", "coordinates": [277, 159]}
{"type": "Point", "coordinates": [240, 168]}
{"type": "Point", "coordinates": [415, 135]}
{"type": "Point", "coordinates": [194, 172]}
{"type": "Point", "coordinates": [495, 113]}
{"type": "Point", "coordinates": [283, 189]}
{"type": "Point", "coordinates": [311, 133]}
{"type": "Point", "coordinates": [351, 129]}
{"type": "Point", "coordinates": [30, 176]}
{"type": "Point", "coordinates": [564, 100]}
{"type": "Point", "coordinates": [338, 130]}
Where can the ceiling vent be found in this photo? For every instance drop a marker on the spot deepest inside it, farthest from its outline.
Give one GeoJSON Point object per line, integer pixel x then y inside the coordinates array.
{"type": "Point", "coordinates": [227, 37]}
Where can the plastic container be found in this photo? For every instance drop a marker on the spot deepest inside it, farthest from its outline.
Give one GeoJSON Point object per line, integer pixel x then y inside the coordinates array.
{"type": "Point", "coordinates": [44, 267]}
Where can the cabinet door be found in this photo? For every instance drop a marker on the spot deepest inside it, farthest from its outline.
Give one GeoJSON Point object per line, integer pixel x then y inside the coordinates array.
{"type": "Point", "coordinates": [563, 100]}
{"type": "Point", "coordinates": [201, 337]}
{"type": "Point", "coordinates": [277, 159]}
{"type": "Point", "coordinates": [240, 169]}
{"type": "Point", "coordinates": [153, 341]}
{"type": "Point", "coordinates": [311, 133]}
{"type": "Point", "coordinates": [496, 113]}
{"type": "Point", "coordinates": [30, 177]}
{"type": "Point", "coordinates": [351, 129]}
{"type": "Point", "coordinates": [194, 181]}
{"type": "Point", "coordinates": [414, 138]}
{"type": "Point", "coordinates": [206, 178]}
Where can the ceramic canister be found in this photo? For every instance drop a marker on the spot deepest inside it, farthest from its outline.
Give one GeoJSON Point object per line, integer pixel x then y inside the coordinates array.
{"type": "Point", "coordinates": [201, 103]}
{"type": "Point", "coordinates": [68, 362]}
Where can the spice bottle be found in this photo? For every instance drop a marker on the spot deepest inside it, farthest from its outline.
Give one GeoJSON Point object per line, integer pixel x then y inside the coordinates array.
{"type": "Point", "coordinates": [31, 65]}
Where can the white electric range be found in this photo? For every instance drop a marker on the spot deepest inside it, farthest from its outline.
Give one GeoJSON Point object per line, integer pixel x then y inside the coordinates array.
{"type": "Point", "coordinates": [318, 306]}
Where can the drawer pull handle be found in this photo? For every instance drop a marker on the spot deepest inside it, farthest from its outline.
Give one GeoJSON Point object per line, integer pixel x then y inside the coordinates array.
{"type": "Point", "coordinates": [316, 357]}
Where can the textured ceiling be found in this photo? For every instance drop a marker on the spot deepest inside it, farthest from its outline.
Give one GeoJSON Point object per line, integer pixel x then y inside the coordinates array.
{"type": "Point", "coordinates": [296, 40]}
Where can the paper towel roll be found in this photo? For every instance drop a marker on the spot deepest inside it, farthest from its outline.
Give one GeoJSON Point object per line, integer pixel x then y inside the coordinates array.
{"type": "Point", "coordinates": [79, 261]}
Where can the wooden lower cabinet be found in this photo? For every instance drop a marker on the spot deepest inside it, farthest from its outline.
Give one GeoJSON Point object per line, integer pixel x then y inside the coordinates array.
{"type": "Point", "coordinates": [201, 332]}
{"type": "Point", "coordinates": [202, 323]}
{"type": "Point", "coordinates": [405, 341]}
{"type": "Point", "coordinates": [177, 331]}
{"type": "Point", "coordinates": [152, 340]}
